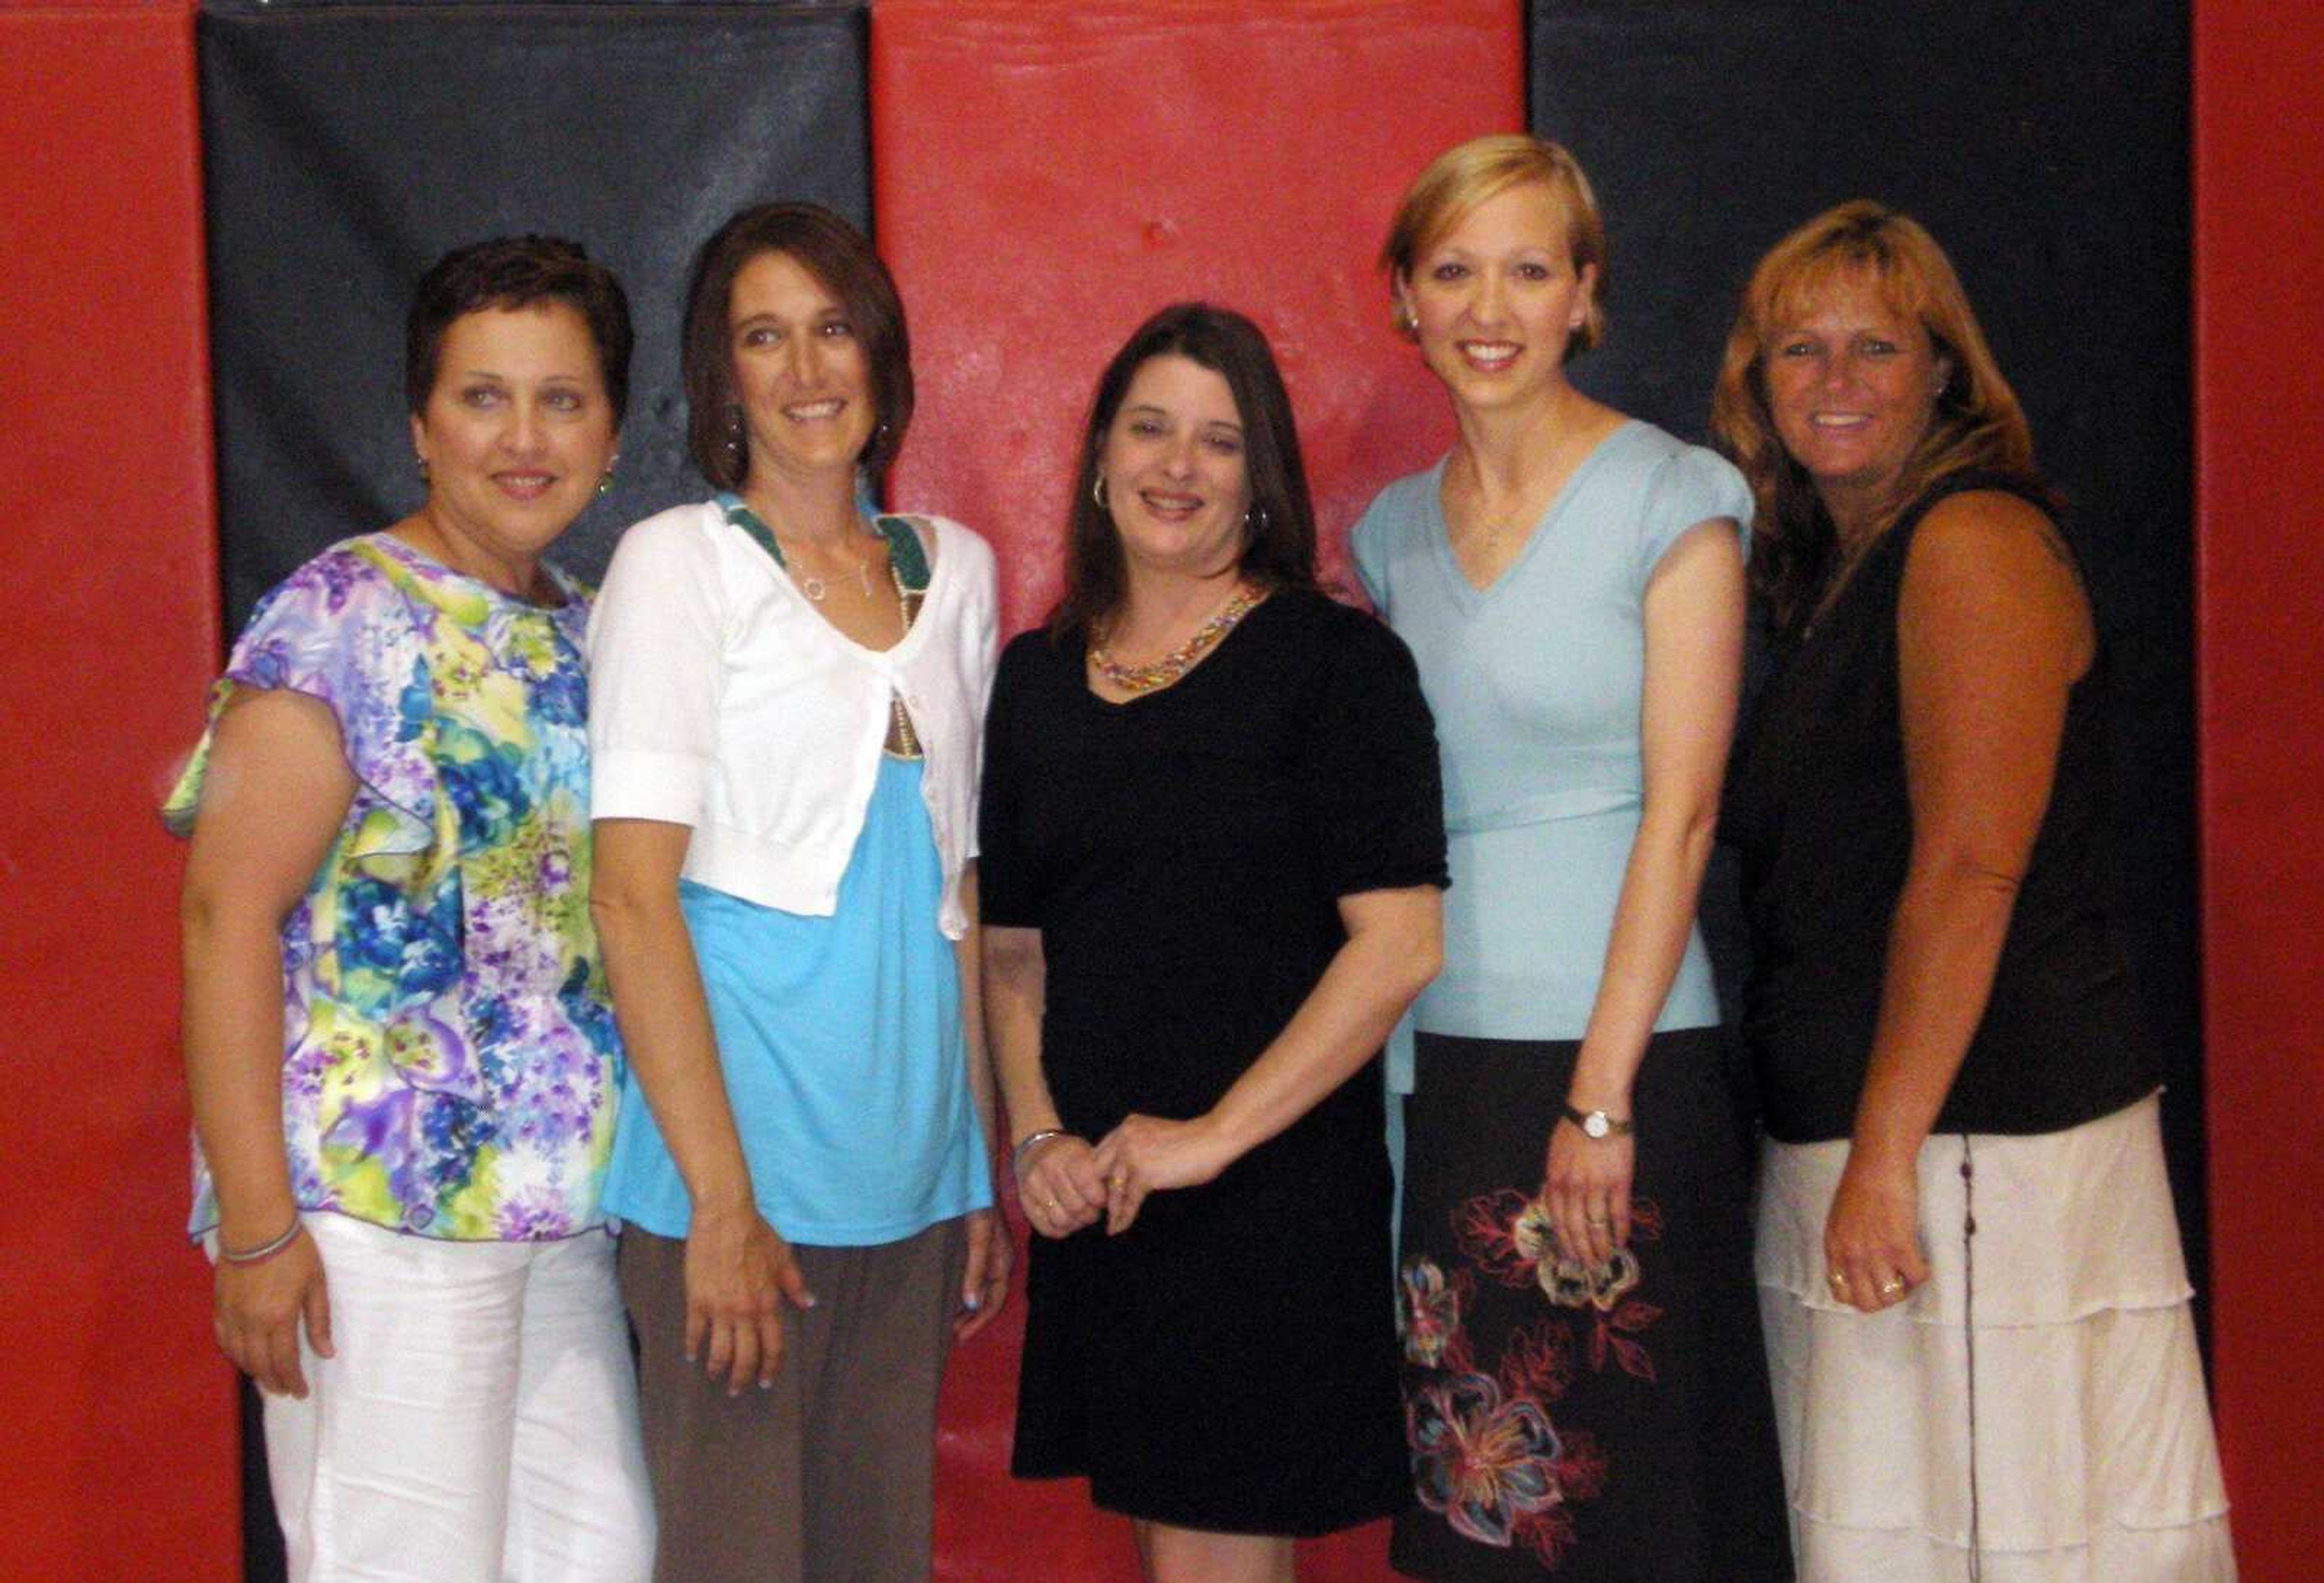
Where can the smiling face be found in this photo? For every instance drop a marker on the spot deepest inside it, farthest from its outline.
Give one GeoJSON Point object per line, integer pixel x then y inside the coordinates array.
{"type": "Point", "coordinates": [516, 432]}
{"type": "Point", "coordinates": [799, 371]}
{"type": "Point", "coordinates": [1172, 463]}
{"type": "Point", "coordinates": [1494, 301]}
{"type": "Point", "coordinates": [1852, 385]}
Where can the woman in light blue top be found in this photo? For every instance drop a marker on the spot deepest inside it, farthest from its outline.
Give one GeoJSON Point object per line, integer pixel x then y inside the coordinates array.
{"type": "Point", "coordinates": [1585, 1389]}
{"type": "Point", "coordinates": [789, 696]}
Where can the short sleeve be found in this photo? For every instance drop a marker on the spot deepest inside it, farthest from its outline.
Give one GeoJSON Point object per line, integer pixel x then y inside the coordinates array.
{"type": "Point", "coordinates": [1689, 485]}
{"type": "Point", "coordinates": [656, 668]}
{"type": "Point", "coordinates": [339, 631]}
{"type": "Point", "coordinates": [1364, 552]}
{"type": "Point", "coordinates": [1007, 893]}
{"type": "Point", "coordinates": [1372, 785]}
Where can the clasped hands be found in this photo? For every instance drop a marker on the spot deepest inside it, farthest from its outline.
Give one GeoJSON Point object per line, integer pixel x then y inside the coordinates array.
{"type": "Point", "coordinates": [1066, 1182]}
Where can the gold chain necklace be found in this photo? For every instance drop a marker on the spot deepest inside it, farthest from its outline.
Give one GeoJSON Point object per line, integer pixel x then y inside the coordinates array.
{"type": "Point", "coordinates": [1160, 673]}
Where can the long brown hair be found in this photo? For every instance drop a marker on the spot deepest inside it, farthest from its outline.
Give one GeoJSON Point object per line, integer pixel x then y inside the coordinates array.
{"type": "Point", "coordinates": [1280, 551]}
{"type": "Point", "coordinates": [1976, 422]}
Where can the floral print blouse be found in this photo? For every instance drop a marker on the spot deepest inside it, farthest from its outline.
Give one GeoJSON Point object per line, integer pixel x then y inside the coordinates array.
{"type": "Point", "coordinates": [449, 1063]}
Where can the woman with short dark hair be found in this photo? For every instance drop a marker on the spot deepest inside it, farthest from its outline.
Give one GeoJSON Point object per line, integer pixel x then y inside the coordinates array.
{"type": "Point", "coordinates": [402, 1066]}
{"type": "Point", "coordinates": [788, 698]}
{"type": "Point", "coordinates": [1211, 850]}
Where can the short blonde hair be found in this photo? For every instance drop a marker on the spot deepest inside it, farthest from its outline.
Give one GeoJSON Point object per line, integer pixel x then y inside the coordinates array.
{"type": "Point", "coordinates": [1482, 169]}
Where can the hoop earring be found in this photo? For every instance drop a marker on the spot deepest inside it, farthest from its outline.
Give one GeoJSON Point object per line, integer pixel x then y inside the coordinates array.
{"type": "Point", "coordinates": [420, 463]}
{"type": "Point", "coordinates": [1097, 492]}
{"type": "Point", "coordinates": [1254, 517]}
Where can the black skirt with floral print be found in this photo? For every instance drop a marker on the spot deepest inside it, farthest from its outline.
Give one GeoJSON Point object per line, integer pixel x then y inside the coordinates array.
{"type": "Point", "coordinates": [1580, 1421]}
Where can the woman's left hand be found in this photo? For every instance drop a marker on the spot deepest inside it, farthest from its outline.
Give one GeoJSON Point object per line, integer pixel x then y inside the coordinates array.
{"type": "Point", "coordinates": [1586, 1188]}
{"type": "Point", "coordinates": [1871, 1239]}
{"type": "Point", "coordinates": [1147, 1153]}
{"type": "Point", "coordinates": [984, 1281]}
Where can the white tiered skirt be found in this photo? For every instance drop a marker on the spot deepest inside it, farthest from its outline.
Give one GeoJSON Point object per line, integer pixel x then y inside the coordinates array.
{"type": "Point", "coordinates": [2093, 1456]}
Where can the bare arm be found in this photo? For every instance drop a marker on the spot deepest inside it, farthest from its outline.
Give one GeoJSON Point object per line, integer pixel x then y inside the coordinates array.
{"type": "Point", "coordinates": [1056, 1183]}
{"type": "Point", "coordinates": [1393, 947]}
{"type": "Point", "coordinates": [984, 1280]}
{"type": "Point", "coordinates": [1992, 632]}
{"type": "Point", "coordinates": [1693, 615]}
{"type": "Point", "coordinates": [275, 795]}
{"type": "Point", "coordinates": [737, 1269]}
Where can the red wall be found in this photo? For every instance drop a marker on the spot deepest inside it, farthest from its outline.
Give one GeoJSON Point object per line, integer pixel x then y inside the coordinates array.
{"type": "Point", "coordinates": [1044, 176]}
{"type": "Point", "coordinates": [1048, 172]}
{"type": "Point", "coordinates": [117, 1412]}
{"type": "Point", "coordinates": [2259, 405]}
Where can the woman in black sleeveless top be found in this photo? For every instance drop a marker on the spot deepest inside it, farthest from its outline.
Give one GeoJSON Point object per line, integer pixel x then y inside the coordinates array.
{"type": "Point", "coordinates": [1970, 1275]}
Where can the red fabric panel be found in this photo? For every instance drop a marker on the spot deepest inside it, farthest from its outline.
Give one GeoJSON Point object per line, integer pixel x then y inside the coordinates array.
{"type": "Point", "coordinates": [1046, 174]}
{"type": "Point", "coordinates": [119, 1410]}
{"type": "Point", "coordinates": [2259, 408]}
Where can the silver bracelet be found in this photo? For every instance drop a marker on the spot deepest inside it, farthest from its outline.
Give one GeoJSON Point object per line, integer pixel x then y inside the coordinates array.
{"type": "Point", "coordinates": [264, 1251]}
{"type": "Point", "coordinates": [1017, 1155]}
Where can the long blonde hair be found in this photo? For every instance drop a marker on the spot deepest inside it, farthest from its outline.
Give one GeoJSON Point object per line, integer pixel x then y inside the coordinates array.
{"type": "Point", "coordinates": [1976, 422]}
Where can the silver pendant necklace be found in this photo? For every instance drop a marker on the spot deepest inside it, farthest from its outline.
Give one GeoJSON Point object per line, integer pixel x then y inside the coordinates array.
{"type": "Point", "coordinates": [814, 587]}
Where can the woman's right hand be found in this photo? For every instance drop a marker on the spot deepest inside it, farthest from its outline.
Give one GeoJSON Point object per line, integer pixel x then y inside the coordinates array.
{"type": "Point", "coordinates": [739, 1273]}
{"type": "Point", "coordinates": [256, 1309]}
{"type": "Point", "coordinates": [1058, 1184]}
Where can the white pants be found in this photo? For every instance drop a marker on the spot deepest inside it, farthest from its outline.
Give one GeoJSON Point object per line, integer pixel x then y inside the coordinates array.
{"type": "Point", "coordinates": [479, 1424]}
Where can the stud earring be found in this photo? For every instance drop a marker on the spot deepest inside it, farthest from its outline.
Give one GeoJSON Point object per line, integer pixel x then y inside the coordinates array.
{"type": "Point", "coordinates": [421, 463]}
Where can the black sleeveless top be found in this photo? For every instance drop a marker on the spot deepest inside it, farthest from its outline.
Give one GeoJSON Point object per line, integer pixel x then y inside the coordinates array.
{"type": "Point", "coordinates": [1816, 804]}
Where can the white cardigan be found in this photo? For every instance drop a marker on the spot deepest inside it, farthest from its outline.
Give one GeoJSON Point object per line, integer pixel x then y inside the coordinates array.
{"type": "Point", "coordinates": [720, 699]}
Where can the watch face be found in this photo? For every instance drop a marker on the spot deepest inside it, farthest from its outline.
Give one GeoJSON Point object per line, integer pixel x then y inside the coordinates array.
{"type": "Point", "coordinates": [1595, 1124]}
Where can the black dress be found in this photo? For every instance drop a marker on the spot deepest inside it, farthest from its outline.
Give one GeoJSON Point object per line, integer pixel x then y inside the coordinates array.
{"type": "Point", "coordinates": [1230, 1362]}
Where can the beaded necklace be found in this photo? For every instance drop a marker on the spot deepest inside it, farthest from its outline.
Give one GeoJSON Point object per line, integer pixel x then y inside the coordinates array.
{"type": "Point", "coordinates": [1160, 673]}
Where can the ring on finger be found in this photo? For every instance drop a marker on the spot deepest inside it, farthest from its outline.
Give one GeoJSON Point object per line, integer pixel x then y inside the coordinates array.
{"type": "Point", "coordinates": [1839, 1282]}
{"type": "Point", "coordinates": [1891, 1287]}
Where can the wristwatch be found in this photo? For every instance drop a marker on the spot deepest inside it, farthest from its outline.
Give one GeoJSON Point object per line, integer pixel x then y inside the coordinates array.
{"type": "Point", "coordinates": [1597, 1124]}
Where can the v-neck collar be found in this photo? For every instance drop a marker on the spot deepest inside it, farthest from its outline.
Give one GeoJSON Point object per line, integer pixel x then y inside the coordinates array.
{"type": "Point", "coordinates": [906, 553]}
{"type": "Point", "coordinates": [1470, 596]}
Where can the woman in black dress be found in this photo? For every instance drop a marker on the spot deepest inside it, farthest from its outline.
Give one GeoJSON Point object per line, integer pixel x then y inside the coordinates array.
{"type": "Point", "coordinates": [1211, 850]}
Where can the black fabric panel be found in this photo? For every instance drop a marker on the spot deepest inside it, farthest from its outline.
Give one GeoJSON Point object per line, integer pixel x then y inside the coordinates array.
{"type": "Point", "coordinates": [347, 147]}
{"type": "Point", "coordinates": [2045, 146]}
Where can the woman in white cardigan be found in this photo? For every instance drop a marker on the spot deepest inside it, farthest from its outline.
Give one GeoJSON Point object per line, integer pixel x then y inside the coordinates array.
{"type": "Point", "coordinates": [787, 693]}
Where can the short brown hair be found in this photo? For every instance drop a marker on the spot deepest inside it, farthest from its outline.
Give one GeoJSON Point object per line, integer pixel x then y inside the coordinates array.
{"type": "Point", "coordinates": [1482, 169]}
{"type": "Point", "coordinates": [839, 257]}
{"type": "Point", "coordinates": [517, 271]}
{"type": "Point", "coordinates": [1976, 422]}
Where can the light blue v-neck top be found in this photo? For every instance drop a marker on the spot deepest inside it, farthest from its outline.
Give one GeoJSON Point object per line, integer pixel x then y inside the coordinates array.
{"type": "Point", "coordinates": [1536, 683]}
